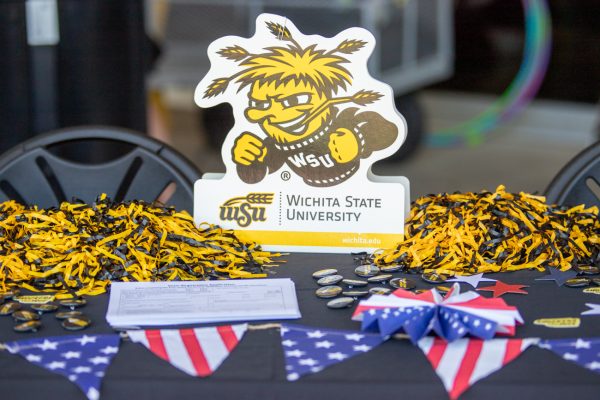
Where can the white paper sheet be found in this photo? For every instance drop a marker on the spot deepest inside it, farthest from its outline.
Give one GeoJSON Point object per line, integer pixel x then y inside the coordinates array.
{"type": "Point", "coordinates": [134, 304]}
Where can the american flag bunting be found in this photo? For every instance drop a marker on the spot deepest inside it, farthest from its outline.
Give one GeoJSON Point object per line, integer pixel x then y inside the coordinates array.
{"type": "Point", "coordinates": [461, 363]}
{"type": "Point", "coordinates": [310, 350]}
{"type": "Point", "coordinates": [81, 358]}
{"type": "Point", "coordinates": [197, 352]}
{"type": "Point", "coordinates": [582, 351]}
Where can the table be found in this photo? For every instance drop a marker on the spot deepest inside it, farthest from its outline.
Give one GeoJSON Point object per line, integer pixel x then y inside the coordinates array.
{"type": "Point", "coordinates": [255, 370]}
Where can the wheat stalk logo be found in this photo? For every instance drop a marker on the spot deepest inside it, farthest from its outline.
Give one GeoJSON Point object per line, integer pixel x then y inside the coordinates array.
{"type": "Point", "coordinates": [252, 198]}
{"type": "Point", "coordinates": [280, 64]}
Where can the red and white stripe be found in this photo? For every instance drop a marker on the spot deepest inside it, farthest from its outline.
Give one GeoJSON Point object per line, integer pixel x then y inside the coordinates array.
{"type": "Point", "coordinates": [197, 352]}
{"type": "Point", "coordinates": [463, 362]}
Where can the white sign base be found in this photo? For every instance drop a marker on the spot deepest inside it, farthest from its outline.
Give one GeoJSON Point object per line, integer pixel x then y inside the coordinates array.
{"type": "Point", "coordinates": [288, 216]}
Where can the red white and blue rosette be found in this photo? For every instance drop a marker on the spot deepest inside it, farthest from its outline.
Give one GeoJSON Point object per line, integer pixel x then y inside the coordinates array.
{"type": "Point", "coordinates": [451, 317]}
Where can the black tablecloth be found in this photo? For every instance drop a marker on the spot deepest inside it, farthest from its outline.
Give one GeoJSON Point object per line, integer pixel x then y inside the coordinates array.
{"type": "Point", "coordinates": [255, 369]}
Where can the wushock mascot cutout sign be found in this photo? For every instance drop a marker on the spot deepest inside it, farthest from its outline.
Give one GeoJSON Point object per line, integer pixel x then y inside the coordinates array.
{"type": "Point", "coordinates": [309, 123]}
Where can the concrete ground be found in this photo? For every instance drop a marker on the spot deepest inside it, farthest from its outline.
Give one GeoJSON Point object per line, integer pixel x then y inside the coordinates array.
{"type": "Point", "coordinates": [524, 154]}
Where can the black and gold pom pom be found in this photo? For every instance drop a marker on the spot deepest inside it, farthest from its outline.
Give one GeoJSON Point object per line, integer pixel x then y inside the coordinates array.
{"type": "Point", "coordinates": [77, 249]}
{"type": "Point", "coordinates": [471, 233]}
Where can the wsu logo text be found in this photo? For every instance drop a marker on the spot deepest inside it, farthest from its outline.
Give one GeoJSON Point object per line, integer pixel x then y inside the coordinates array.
{"type": "Point", "coordinates": [246, 209]}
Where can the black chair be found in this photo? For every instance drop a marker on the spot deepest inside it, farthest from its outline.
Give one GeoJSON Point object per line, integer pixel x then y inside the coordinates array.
{"type": "Point", "coordinates": [54, 167]}
{"type": "Point", "coordinates": [579, 181]}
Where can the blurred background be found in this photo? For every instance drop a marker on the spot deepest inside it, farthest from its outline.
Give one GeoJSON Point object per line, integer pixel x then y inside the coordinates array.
{"type": "Point", "coordinates": [493, 91]}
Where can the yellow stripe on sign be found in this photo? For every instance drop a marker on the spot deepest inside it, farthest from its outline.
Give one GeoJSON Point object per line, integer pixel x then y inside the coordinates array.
{"type": "Point", "coordinates": [322, 239]}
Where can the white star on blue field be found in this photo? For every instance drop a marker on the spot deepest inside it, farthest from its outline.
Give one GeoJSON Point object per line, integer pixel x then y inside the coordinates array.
{"type": "Point", "coordinates": [309, 350]}
{"type": "Point", "coordinates": [583, 351]}
{"type": "Point", "coordinates": [81, 358]}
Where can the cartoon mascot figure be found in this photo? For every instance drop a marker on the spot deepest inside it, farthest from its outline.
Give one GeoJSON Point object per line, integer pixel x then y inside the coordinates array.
{"type": "Point", "coordinates": [292, 98]}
